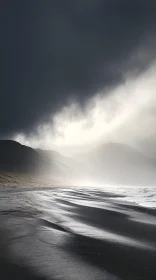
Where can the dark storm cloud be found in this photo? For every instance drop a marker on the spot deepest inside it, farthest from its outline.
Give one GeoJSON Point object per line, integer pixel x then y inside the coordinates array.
{"type": "Point", "coordinates": [55, 50]}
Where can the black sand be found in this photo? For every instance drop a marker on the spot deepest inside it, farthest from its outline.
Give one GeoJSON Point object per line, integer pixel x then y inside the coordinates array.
{"type": "Point", "coordinates": [61, 236]}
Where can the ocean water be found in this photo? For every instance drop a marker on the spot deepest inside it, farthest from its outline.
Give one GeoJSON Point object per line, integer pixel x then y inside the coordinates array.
{"type": "Point", "coordinates": [143, 196]}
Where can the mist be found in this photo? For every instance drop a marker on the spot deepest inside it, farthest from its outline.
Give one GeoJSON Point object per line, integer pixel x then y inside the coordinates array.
{"type": "Point", "coordinates": [78, 140]}
{"type": "Point", "coordinates": [125, 114]}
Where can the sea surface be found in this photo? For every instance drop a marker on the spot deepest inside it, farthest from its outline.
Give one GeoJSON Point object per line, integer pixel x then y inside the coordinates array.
{"type": "Point", "coordinates": [78, 233]}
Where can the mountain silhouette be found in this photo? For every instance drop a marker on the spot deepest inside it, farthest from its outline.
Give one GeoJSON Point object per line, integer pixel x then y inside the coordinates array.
{"type": "Point", "coordinates": [110, 163]}
{"type": "Point", "coordinates": [19, 158]}
{"type": "Point", "coordinates": [119, 163]}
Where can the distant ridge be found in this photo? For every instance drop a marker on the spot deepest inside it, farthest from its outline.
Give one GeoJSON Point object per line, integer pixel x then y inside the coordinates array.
{"type": "Point", "coordinates": [119, 164]}
{"type": "Point", "coordinates": [111, 163]}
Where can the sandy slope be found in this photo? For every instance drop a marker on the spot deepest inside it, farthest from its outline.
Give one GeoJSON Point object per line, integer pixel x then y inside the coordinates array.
{"type": "Point", "coordinates": [9, 180]}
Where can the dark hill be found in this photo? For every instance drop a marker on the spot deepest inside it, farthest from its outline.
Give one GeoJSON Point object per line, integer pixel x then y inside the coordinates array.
{"type": "Point", "coordinates": [19, 158]}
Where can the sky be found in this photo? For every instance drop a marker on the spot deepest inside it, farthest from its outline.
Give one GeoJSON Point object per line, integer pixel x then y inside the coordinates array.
{"type": "Point", "coordinates": [76, 73]}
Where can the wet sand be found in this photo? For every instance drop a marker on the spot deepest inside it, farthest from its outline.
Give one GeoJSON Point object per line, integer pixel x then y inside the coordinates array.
{"type": "Point", "coordinates": [75, 234]}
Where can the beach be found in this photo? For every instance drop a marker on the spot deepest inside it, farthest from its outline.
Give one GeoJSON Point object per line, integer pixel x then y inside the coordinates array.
{"type": "Point", "coordinates": [76, 233]}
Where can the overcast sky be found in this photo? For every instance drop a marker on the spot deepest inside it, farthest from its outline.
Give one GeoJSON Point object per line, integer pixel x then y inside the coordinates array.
{"type": "Point", "coordinates": [77, 72]}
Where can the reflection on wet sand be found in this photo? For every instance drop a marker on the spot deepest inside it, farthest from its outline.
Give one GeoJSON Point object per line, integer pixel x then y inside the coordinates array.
{"type": "Point", "coordinates": [75, 234]}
